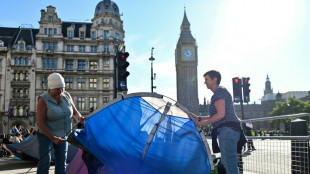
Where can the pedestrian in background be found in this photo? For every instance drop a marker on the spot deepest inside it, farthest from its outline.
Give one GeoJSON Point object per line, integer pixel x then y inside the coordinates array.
{"type": "Point", "coordinates": [249, 132]}
{"type": "Point", "coordinates": [55, 109]}
{"type": "Point", "coordinates": [226, 124]}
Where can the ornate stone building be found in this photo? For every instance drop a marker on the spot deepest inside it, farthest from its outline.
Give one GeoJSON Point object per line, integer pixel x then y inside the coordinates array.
{"type": "Point", "coordinates": [82, 52]}
{"type": "Point", "coordinates": [186, 60]}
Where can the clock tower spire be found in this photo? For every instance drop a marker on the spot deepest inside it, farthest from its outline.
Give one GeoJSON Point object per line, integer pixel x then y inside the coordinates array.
{"type": "Point", "coordinates": [186, 61]}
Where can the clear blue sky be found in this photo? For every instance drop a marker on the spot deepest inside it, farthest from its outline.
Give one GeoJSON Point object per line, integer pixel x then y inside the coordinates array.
{"type": "Point", "coordinates": [240, 38]}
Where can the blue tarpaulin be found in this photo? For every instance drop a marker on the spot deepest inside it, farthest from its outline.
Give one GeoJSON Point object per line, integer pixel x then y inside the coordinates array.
{"type": "Point", "coordinates": [142, 134]}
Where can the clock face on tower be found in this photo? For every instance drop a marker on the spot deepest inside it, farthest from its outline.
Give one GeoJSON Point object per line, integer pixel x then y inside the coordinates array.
{"type": "Point", "coordinates": [188, 54]}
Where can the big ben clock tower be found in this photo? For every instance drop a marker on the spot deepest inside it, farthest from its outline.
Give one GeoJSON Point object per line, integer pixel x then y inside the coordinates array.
{"type": "Point", "coordinates": [186, 68]}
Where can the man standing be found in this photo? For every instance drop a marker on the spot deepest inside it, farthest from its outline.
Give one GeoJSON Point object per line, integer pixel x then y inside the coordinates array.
{"type": "Point", "coordinates": [248, 132]}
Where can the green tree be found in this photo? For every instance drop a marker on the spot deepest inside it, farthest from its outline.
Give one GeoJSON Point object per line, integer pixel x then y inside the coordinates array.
{"type": "Point", "coordinates": [291, 106]}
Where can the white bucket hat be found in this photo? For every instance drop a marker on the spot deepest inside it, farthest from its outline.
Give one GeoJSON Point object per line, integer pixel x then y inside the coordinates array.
{"type": "Point", "coordinates": [55, 80]}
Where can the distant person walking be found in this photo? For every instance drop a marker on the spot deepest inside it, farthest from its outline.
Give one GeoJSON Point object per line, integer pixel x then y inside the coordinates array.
{"type": "Point", "coordinates": [226, 124]}
{"type": "Point", "coordinates": [55, 109]}
{"type": "Point", "coordinates": [248, 132]}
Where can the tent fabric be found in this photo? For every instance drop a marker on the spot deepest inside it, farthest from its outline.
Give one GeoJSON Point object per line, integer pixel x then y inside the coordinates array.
{"type": "Point", "coordinates": [28, 150]}
{"type": "Point", "coordinates": [77, 166]}
{"type": "Point", "coordinates": [117, 133]}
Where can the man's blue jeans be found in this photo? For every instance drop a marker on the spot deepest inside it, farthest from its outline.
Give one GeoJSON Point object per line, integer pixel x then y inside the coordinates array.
{"type": "Point", "coordinates": [60, 151]}
{"type": "Point", "coordinates": [228, 140]}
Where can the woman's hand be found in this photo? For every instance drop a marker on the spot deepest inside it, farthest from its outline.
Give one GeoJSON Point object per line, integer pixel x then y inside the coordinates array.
{"type": "Point", "coordinates": [57, 140]}
{"type": "Point", "coordinates": [81, 119]}
{"type": "Point", "coordinates": [194, 117]}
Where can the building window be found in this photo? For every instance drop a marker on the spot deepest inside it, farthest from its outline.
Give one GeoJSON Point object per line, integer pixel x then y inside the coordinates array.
{"type": "Point", "coordinates": [93, 102]}
{"type": "Point", "coordinates": [21, 61]}
{"type": "Point", "coordinates": [16, 61]}
{"type": "Point", "coordinates": [45, 30]}
{"type": "Point", "coordinates": [116, 36]}
{"type": "Point", "coordinates": [50, 31]}
{"type": "Point", "coordinates": [44, 83]}
{"type": "Point", "coordinates": [20, 110]}
{"type": "Point", "coordinates": [49, 63]}
{"type": "Point", "coordinates": [50, 19]}
{"type": "Point", "coordinates": [82, 48]}
{"type": "Point", "coordinates": [81, 103]}
{"type": "Point", "coordinates": [93, 34]}
{"type": "Point", "coordinates": [14, 93]}
{"type": "Point", "coordinates": [81, 83]}
{"type": "Point", "coordinates": [105, 99]}
{"type": "Point", "coordinates": [26, 61]}
{"type": "Point", "coordinates": [93, 83]}
{"type": "Point", "coordinates": [82, 34]}
{"type": "Point", "coordinates": [69, 83]}
{"type": "Point", "coordinates": [93, 65]}
{"type": "Point", "coordinates": [21, 47]}
{"type": "Point", "coordinates": [45, 44]}
{"type": "Point", "coordinates": [93, 49]}
{"type": "Point", "coordinates": [14, 111]}
{"type": "Point", "coordinates": [22, 76]}
{"type": "Point", "coordinates": [50, 46]}
{"type": "Point", "coordinates": [55, 31]}
{"type": "Point", "coordinates": [106, 33]}
{"type": "Point", "coordinates": [69, 64]}
{"type": "Point", "coordinates": [106, 83]}
{"type": "Point", "coordinates": [105, 47]}
{"type": "Point", "coordinates": [81, 64]}
{"type": "Point", "coordinates": [70, 34]}
{"type": "Point", "coordinates": [106, 64]}
{"type": "Point", "coordinates": [70, 48]}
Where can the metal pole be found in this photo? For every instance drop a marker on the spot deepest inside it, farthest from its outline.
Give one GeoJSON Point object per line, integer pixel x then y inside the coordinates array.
{"type": "Point", "coordinates": [152, 76]}
{"type": "Point", "coordinates": [115, 73]}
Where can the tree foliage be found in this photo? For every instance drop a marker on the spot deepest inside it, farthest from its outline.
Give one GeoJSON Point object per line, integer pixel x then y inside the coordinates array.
{"type": "Point", "coordinates": [291, 106]}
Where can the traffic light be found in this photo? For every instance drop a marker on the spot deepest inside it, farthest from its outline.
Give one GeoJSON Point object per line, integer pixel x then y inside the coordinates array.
{"type": "Point", "coordinates": [237, 89]}
{"type": "Point", "coordinates": [122, 74]}
{"type": "Point", "coordinates": [246, 89]}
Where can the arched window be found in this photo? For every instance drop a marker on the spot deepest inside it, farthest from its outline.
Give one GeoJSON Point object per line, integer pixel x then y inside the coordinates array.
{"type": "Point", "coordinates": [14, 92]}
{"type": "Point", "coordinates": [22, 61]}
{"type": "Point", "coordinates": [18, 93]}
{"type": "Point", "coordinates": [26, 61]}
{"type": "Point", "coordinates": [14, 111]}
{"type": "Point", "coordinates": [26, 109]}
{"type": "Point", "coordinates": [26, 93]}
{"type": "Point", "coordinates": [21, 76]}
{"type": "Point", "coordinates": [16, 61]}
{"type": "Point", "coordinates": [21, 93]}
{"type": "Point", "coordinates": [20, 111]}
{"type": "Point", "coordinates": [26, 76]}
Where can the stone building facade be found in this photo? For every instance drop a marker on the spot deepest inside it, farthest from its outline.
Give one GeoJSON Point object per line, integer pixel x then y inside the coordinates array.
{"type": "Point", "coordinates": [84, 53]}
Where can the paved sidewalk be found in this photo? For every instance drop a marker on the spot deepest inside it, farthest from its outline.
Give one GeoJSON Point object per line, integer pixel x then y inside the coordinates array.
{"type": "Point", "coordinates": [9, 165]}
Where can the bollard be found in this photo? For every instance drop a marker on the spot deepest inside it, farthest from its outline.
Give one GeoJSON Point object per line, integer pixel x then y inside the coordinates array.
{"type": "Point", "coordinates": [300, 148]}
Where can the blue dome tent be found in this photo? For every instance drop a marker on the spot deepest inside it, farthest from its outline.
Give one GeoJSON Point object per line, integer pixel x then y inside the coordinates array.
{"type": "Point", "coordinates": [145, 133]}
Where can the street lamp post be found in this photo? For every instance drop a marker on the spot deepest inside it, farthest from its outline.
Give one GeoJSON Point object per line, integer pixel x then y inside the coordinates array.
{"type": "Point", "coordinates": [153, 75]}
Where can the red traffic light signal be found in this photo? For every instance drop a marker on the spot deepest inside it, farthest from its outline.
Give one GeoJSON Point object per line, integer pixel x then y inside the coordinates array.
{"type": "Point", "coordinates": [237, 89]}
{"type": "Point", "coordinates": [124, 55]}
{"type": "Point", "coordinates": [236, 80]}
{"type": "Point", "coordinates": [246, 89]}
{"type": "Point", "coordinates": [122, 72]}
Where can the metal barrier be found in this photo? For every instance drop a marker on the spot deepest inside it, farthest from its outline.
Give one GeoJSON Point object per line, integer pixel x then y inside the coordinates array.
{"type": "Point", "coordinates": [276, 154]}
